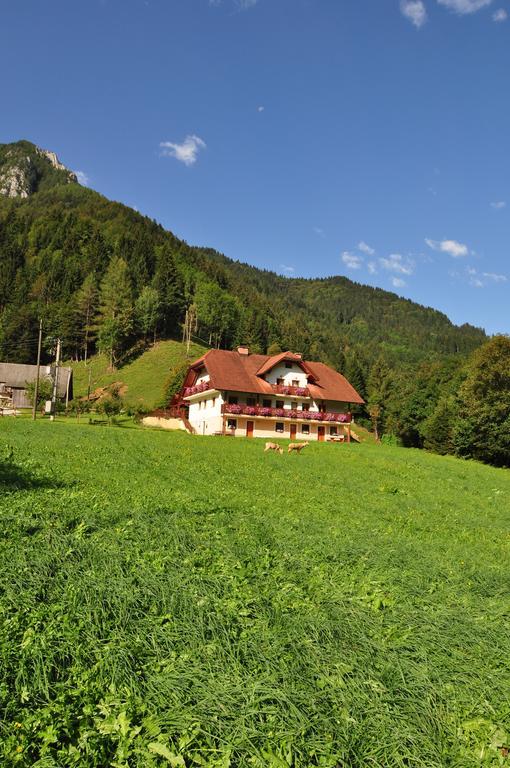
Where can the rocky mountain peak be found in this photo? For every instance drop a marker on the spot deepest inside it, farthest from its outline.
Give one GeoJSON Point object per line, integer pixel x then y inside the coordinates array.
{"type": "Point", "coordinates": [26, 168]}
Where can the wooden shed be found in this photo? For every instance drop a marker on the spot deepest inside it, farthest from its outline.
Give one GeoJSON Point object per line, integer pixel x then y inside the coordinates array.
{"type": "Point", "coordinates": [14, 378]}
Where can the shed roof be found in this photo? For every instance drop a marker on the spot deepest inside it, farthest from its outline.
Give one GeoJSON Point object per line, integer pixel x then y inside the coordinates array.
{"type": "Point", "coordinates": [17, 375]}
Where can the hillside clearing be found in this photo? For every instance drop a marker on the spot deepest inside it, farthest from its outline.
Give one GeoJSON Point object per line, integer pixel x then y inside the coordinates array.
{"type": "Point", "coordinates": [142, 380]}
{"type": "Point", "coordinates": [176, 600]}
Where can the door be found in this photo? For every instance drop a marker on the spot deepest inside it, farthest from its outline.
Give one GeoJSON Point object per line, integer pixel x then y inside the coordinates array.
{"type": "Point", "coordinates": [321, 431]}
{"type": "Point", "coordinates": [249, 428]}
{"type": "Point", "coordinates": [293, 431]}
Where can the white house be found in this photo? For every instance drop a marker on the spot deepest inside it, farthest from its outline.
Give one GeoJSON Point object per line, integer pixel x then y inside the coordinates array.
{"type": "Point", "coordinates": [252, 395]}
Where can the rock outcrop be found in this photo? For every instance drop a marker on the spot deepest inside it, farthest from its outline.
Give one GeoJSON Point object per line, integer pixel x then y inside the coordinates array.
{"type": "Point", "coordinates": [24, 167]}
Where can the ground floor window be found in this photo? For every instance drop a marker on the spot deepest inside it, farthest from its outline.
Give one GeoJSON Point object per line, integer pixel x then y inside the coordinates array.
{"type": "Point", "coordinates": [279, 426]}
{"type": "Point", "coordinates": [232, 423]}
{"type": "Point", "coordinates": [305, 429]}
{"type": "Point", "coordinates": [333, 431]}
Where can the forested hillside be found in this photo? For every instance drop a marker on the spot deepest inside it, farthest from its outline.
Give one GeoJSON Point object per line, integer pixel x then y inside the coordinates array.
{"type": "Point", "coordinates": [78, 260]}
{"type": "Point", "coordinates": [105, 278]}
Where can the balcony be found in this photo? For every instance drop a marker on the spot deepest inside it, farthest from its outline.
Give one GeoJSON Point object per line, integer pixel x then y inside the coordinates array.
{"type": "Point", "coordinates": [204, 386]}
{"type": "Point", "coordinates": [282, 389]}
{"type": "Point", "coordinates": [284, 413]}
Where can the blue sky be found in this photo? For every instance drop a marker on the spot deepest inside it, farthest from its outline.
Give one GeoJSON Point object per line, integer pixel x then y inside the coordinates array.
{"type": "Point", "coordinates": [368, 138]}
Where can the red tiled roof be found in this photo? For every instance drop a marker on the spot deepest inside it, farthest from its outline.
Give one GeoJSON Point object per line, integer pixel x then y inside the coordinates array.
{"type": "Point", "coordinates": [233, 372]}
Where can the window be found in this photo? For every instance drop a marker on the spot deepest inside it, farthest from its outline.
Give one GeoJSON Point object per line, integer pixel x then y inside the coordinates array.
{"type": "Point", "coordinates": [279, 427]}
{"type": "Point", "coordinates": [232, 400]}
{"type": "Point", "coordinates": [280, 382]}
{"type": "Point", "coordinates": [288, 365]}
{"type": "Point", "coordinates": [250, 401]}
{"type": "Point", "coordinates": [305, 406]}
{"type": "Point", "coordinates": [266, 403]}
{"type": "Point", "coordinates": [279, 404]}
{"type": "Point", "coordinates": [333, 431]}
{"type": "Point", "coordinates": [232, 423]}
{"type": "Point", "coordinates": [305, 429]}
{"type": "Point", "coordinates": [295, 383]}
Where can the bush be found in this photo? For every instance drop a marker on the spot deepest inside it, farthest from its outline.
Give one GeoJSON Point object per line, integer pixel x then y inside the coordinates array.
{"type": "Point", "coordinates": [174, 383]}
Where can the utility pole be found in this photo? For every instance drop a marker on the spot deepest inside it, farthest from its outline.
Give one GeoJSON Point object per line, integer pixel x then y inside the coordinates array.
{"type": "Point", "coordinates": [36, 390]}
{"type": "Point", "coordinates": [55, 383]}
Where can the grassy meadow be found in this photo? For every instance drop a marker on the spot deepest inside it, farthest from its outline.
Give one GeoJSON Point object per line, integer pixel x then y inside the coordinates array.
{"type": "Point", "coordinates": [169, 600]}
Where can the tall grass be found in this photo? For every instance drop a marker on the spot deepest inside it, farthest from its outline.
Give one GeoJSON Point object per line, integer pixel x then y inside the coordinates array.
{"type": "Point", "coordinates": [176, 600]}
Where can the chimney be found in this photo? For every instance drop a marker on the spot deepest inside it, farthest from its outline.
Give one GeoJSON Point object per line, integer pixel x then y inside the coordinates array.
{"type": "Point", "coordinates": [243, 350]}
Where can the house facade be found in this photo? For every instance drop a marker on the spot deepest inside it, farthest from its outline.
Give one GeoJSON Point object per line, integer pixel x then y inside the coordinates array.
{"type": "Point", "coordinates": [251, 395]}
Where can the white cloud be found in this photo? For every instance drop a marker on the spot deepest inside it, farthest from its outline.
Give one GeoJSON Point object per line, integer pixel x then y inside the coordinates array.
{"type": "Point", "coordinates": [453, 248]}
{"type": "Point", "coordinates": [500, 15]}
{"type": "Point", "coordinates": [415, 11]}
{"type": "Point", "coordinates": [82, 178]}
{"type": "Point", "coordinates": [464, 6]}
{"type": "Point", "coordinates": [481, 280]}
{"type": "Point", "coordinates": [396, 263]}
{"type": "Point", "coordinates": [499, 205]}
{"type": "Point", "coordinates": [241, 5]}
{"type": "Point", "coordinates": [372, 267]}
{"type": "Point", "coordinates": [261, 108]}
{"type": "Point", "coordinates": [364, 248]}
{"type": "Point", "coordinates": [319, 231]}
{"type": "Point", "coordinates": [186, 152]}
{"type": "Point", "coordinates": [397, 282]}
{"type": "Point", "coordinates": [288, 270]}
{"type": "Point", "coordinates": [352, 260]}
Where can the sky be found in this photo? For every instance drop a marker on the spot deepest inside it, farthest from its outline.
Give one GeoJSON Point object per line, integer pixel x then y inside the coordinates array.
{"type": "Point", "coordinates": [365, 138]}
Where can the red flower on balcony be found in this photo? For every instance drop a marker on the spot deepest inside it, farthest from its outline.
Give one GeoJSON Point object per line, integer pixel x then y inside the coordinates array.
{"type": "Point", "coordinates": [197, 388]}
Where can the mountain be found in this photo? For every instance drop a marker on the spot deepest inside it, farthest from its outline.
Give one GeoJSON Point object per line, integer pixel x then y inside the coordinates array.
{"type": "Point", "coordinates": [103, 276]}
{"type": "Point", "coordinates": [26, 169]}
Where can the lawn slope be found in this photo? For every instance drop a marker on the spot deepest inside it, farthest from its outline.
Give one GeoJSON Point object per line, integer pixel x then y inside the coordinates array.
{"type": "Point", "coordinates": [142, 380]}
{"type": "Point", "coordinates": [176, 600]}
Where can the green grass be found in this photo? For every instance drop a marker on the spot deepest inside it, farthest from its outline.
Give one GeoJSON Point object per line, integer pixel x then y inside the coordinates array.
{"type": "Point", "coordinates": [144, 378]}
{"type": "Point", "coordinates": [177, 600]}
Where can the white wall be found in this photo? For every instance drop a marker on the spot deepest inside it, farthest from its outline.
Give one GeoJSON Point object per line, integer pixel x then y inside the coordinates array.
{"type": "Point", "coordinates": [288, 375]}
{"type": "Point", "coordinates": [205, 414]}
{"type": "Point", "coordinates": [266, 429]}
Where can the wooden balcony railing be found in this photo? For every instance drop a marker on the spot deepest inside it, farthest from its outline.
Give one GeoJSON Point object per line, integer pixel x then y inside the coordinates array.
{"type": "Point", "coordinates": [282, 389]}
{"type": "Point", "coordinates": [204, 386]}
{"type": "Point", "coordinates": [285, 413]}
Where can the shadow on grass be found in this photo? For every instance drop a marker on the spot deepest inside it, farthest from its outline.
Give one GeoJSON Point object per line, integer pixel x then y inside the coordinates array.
{"type": "Point", "coordinates": [16, 478]}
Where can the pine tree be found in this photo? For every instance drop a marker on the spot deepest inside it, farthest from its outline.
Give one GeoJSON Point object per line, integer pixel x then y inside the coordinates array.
{"type": "Point", "coordinates": [169, 285]}
{"type": "Point", "coordinates": [148, 311]}
{"type": "Point", "coordinates": [378, 391]}
{"type": "Point", "coordinates": [115, 318]}
{"type": "Point", "coordinates": [86, 305]}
